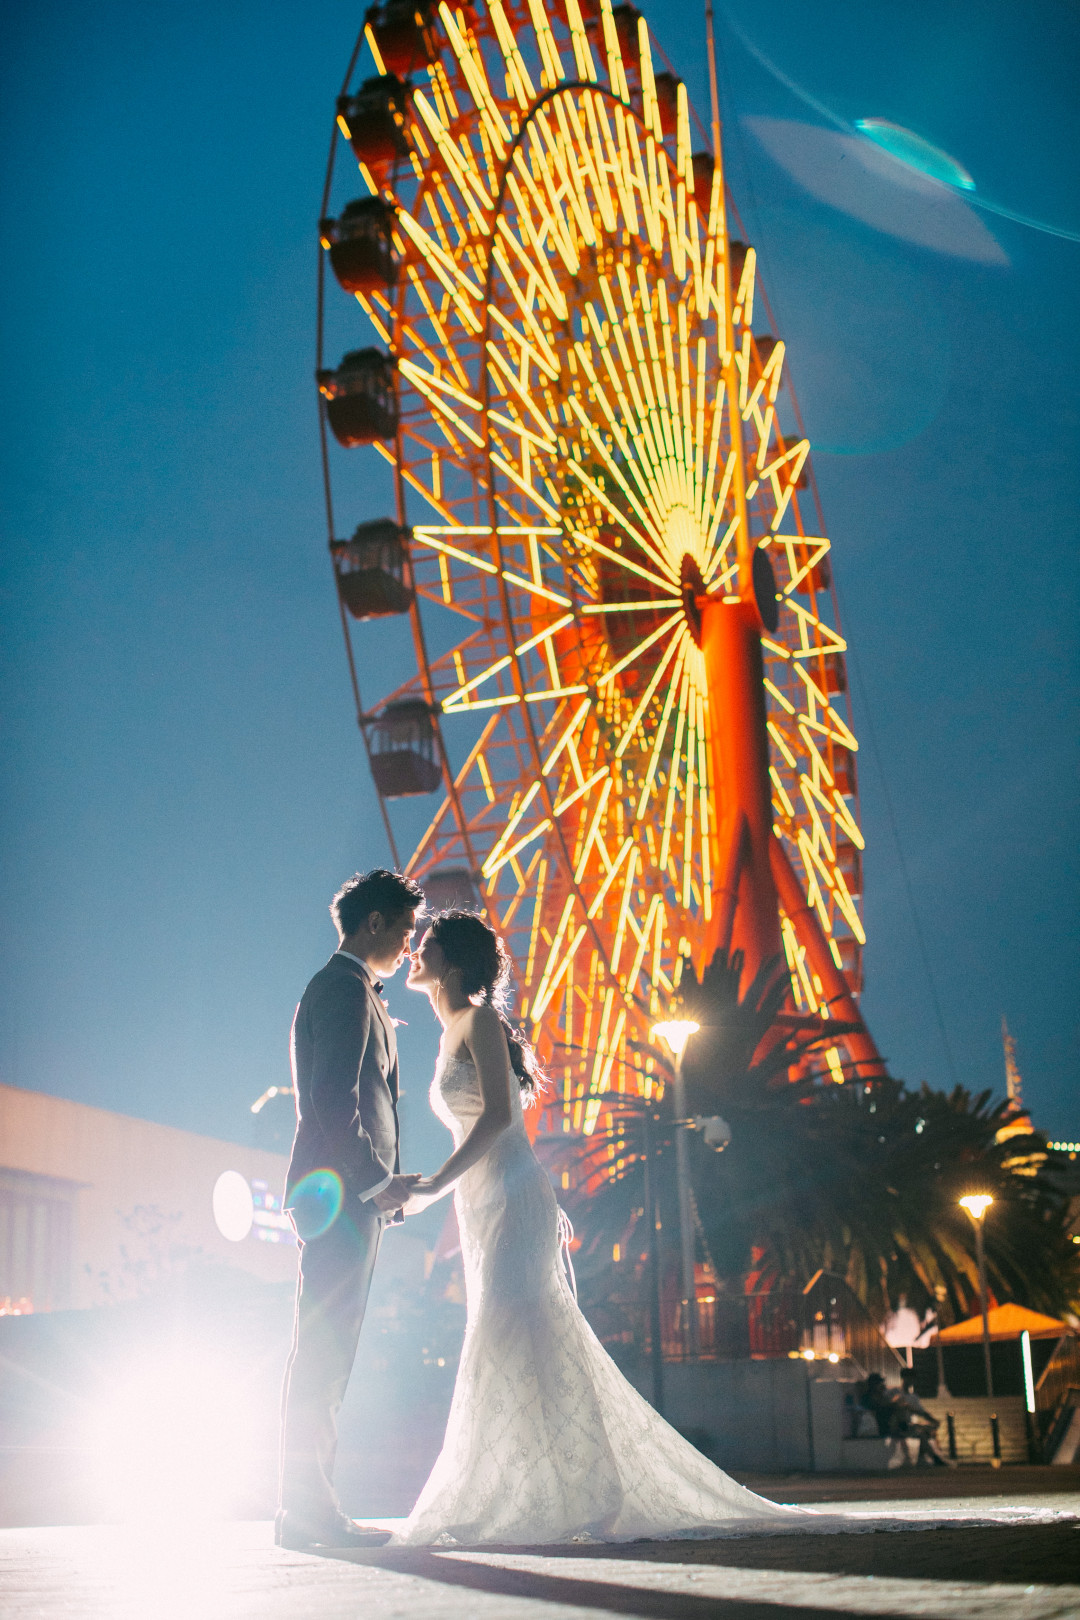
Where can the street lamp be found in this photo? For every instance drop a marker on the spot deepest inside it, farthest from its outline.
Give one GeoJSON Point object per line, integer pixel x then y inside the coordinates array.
{"type": "Point", "coordinates": [269, 1094]}
{"type": "Point", "coordinates": [676, 1032]}
{"type": "Point", "coordinates": [977, 1205]}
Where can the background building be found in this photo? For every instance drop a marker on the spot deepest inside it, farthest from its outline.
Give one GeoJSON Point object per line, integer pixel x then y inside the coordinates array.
{"type": "Point", "coordinates": [97, 1207]}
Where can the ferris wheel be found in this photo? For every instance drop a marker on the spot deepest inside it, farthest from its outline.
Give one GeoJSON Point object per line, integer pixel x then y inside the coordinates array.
{"type": "Point", "coordinates": [637, 747]}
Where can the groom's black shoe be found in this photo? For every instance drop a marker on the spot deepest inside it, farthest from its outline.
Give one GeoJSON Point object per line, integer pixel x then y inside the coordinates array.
{"type": "Point", "coordinates": [337, 1534]}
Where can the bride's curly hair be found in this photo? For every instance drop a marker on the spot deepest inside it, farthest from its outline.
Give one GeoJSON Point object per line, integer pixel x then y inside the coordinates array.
{"type": "Point", "coordinates": [484, 964]}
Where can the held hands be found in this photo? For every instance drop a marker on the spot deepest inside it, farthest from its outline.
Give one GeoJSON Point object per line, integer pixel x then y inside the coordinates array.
{"type": "Point", "coordinates": [424, 1192]}
{"type": "Point", "coordinates": [395, 1194]}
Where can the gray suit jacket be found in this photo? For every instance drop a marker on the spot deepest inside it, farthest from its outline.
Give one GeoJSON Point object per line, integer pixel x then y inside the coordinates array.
{"type": "Point", "coordinates": [345, 1070]}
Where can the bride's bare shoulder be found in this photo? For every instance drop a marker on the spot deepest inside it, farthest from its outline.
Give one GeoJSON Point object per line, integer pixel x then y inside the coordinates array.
{"type": "Point", "coordinates": [482, 1034]}
{"type": "Point", "coordinates": [482, 1019]}
{"type": "Point", "coordinates": [477, 1024]}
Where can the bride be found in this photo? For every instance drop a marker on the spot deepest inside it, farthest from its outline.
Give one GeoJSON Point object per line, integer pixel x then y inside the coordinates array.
{"type": "Point", "coordinates": [546, 1441]}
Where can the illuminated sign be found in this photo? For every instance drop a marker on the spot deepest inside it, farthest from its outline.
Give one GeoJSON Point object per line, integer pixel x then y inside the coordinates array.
{"type": "Point", "coordinates": [249, 1209]}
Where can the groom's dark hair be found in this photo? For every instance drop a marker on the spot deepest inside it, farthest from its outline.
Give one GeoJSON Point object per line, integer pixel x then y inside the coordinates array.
{"type": "Point", "coordinates": [378, 890]}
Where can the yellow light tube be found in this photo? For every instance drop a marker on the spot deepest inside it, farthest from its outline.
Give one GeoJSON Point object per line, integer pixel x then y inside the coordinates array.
{"type": "Point", "coordinates": [674, 773]}
{"type": "Point", "coordinates": [478, 680]}
{"type": "Point", "coordinates": [523, 395]}
{"type": "Point", "coordinates": [643, 945]}
{"type": "Point", "coordinates": [567, 734]}
{"type": "Point", "coordinates": [658, 741]}
{"type": "Point", "coordinates": [512, 824]}
{"type": "Point", "coordinates": [538, 912]}
{"type": "Point", "coordinates": [641, 647]}
{"type": "Point", "coordinates": [477, 202]}
{"type": "Point", "coordinates": [594, 827]}
{"type": "Point", "coordinates": [545, 996]}
{"type": "Point", "coordinates": [492, 867]}
{"type": "Point", "coordinates": [564, 804]}
{"type": "Point", "coordinates": [779, 696]}
{"type": "Point", "coordinates": [601, 893]}
{"type": "Point", "coordinates": [633, 607]}
{"type": "Point", "coordinates": [624, 908]}
{"type": "Point", "coordinates": [524, 91]}
{"type": "Point", "coordinates": [476, 80]}
{"type": "Point", "coordinates": [616, 71]}
{"type": "Point", "coordinates": [781, 792]}
{"type": "Point", "coordinates": [778, 739]}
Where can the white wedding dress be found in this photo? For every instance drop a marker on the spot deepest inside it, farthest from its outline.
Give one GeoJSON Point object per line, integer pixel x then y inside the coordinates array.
{"type": "Point", "coordinates": [546, 1440]}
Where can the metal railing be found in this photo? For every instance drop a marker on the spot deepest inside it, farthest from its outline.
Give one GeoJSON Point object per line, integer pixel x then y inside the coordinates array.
{"type": "Point", "coordinates": [1057, 1390]}
{"type": "Point", "coordinates": [823, 1321]}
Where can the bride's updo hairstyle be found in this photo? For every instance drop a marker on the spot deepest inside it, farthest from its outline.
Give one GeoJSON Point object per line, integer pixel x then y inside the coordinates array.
{"type": "Point", "coordinates": [483, 961]}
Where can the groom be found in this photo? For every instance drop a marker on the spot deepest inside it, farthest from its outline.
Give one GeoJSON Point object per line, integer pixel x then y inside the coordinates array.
{"type": "Point", "coordinates": [345, 1071]}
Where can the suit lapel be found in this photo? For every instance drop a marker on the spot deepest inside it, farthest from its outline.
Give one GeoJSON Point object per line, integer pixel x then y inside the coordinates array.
{"type": "Point", "coordinates": [382, 1014]}
{"type": "Point", "coordinates": [386, 1020]}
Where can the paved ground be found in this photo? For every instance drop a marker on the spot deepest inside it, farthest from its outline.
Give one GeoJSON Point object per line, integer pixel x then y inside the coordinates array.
{"type": "Point", "coordinates": [960, 1570]}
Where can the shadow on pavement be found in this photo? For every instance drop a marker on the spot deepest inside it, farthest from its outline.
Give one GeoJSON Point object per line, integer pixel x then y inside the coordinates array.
{"type": "Point", "coordinates": [648, 1603]}
{"type": "Point", "coordinates": [1009, 1554]}
{"type": "Point", "coordinates": [1013, 1554]}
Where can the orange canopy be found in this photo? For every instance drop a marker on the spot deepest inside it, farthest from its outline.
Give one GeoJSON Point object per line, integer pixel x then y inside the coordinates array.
{"type": "Point", "coordinates": [1005, 1322]}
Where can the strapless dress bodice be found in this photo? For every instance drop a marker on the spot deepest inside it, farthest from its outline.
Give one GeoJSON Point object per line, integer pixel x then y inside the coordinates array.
{"type": "Point", "coordinates": [457, 1101]}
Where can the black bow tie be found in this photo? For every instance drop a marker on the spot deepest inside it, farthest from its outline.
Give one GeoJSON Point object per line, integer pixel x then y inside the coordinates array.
{"type": "Point", "coordinates": [378, 987]}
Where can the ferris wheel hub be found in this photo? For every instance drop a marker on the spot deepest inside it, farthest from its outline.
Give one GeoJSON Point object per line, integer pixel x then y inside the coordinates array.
{"type": "Point", "coordinates": [692, 587]}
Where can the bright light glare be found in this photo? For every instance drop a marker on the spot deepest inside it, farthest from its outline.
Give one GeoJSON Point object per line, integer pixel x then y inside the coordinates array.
{"type": "Point", "coordinates": [234, 1206]}
{"type": "Point", "coordinates": [175, 1442]}
{"type": "Point", "coordinates": [676, 1032]}
{"type": "Point", "coordinates": [976, 1204]}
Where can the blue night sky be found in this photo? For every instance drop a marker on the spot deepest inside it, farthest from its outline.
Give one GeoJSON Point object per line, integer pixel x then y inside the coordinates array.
{"type": "Point", "coordinates": [184, 784]}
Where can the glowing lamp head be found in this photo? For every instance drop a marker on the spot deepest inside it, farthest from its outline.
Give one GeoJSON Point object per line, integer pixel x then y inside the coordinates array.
{"type": "Point", "coordinates": [676, 1032]}
{"type": "Point", "coordinates": [976, 1204]}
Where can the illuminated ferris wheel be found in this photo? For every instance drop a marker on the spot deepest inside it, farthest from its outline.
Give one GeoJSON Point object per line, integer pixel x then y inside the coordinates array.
{"type": "Point", "coordinates": [637, 746]}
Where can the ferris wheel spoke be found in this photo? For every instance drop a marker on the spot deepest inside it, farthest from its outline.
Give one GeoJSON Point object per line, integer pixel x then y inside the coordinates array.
{"type": "Point", "coordinates": [674, 687]}
{"type": "Point", "coordinates": [609, 675]}
{"type": "Point", "coordinates": [673, 775]}
{"type": "Point", "coordinates": [522, 395]}
{"type": "Point", "coordinates": [601, 550]}
{"type": "Point", "coordinates": [651, 546]}
{"type": "Point", "coordinates": [631, 729]}
{"type": "Point", "coordinates": [532, 258]}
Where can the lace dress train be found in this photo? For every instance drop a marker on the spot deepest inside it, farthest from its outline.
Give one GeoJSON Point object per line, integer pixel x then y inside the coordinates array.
{"type": "Point", "coordinates": [546, 1440]}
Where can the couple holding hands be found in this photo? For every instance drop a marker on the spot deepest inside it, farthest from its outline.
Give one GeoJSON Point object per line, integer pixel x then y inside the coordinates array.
{"type": "Point", "coordinates": [546, 1440]}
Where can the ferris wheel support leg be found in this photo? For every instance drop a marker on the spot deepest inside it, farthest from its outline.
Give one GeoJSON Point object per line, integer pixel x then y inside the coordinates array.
{"type": "Point", "coordinates": [745, 912]}
{"type": "Point", "coordinates": [867, 1060]}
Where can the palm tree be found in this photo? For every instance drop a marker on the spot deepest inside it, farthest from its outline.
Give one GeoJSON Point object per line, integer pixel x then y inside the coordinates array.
{"type": "Point", "coordinates": [862, 1179]}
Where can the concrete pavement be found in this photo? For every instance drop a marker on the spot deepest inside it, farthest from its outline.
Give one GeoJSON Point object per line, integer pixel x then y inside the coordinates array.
{"type": "Point", "coordinates": [961, 1570]}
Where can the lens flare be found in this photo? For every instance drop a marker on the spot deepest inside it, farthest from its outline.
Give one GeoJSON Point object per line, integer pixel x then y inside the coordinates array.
{"type": "Point", "coordinates": [173, 1440]}
{"type": "Point", "coordinates": [907, 147]}
{"type": "Point", "coordinates": [316, 1203]}
{"type": "Point", "coordinates": [844, 127]}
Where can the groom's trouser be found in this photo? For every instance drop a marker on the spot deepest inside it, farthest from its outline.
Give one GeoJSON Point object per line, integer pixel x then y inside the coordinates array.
{"type": "Point", "coordinates": [335, 1276]}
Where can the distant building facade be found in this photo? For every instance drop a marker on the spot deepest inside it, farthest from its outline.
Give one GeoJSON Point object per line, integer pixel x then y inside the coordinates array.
{"type": "Point", "coordinates": [96, 1206]}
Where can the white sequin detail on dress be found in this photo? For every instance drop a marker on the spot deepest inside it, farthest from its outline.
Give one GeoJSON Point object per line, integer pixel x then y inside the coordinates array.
{"type": "Point", "coordinates": [546, 1440]}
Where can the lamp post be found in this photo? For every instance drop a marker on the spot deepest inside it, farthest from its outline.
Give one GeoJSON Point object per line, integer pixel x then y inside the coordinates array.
{"type": "Point", "coordinates": [977, 1205]}
{"type": "Point", "coordinates": [656, 1328]}
{"type": "Point", "coordinates": [676, 1032]}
